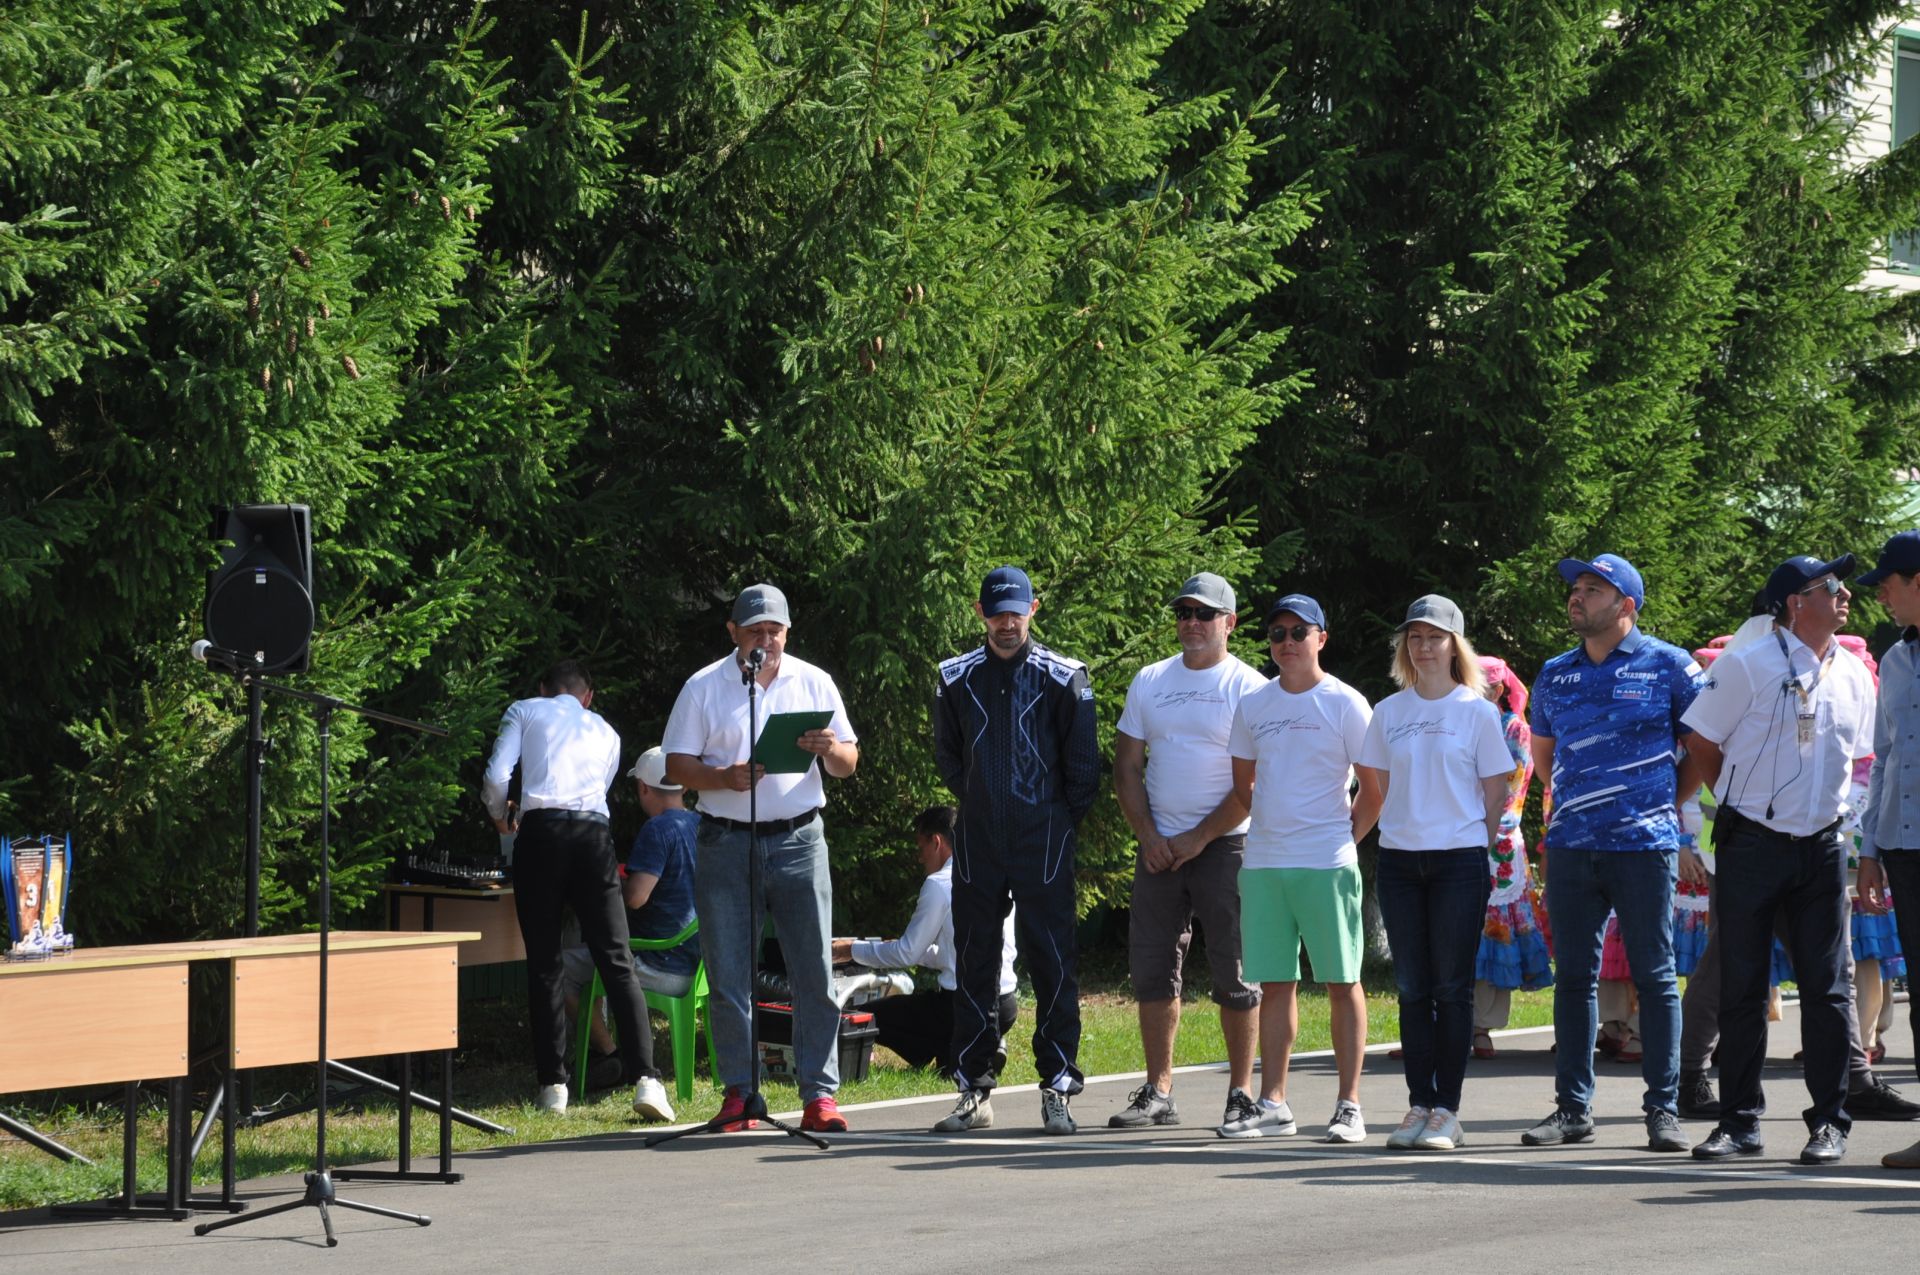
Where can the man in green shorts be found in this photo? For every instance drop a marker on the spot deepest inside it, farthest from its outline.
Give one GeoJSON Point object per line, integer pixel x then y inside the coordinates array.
{"type": "Point", "coordinates": [1301, 878]}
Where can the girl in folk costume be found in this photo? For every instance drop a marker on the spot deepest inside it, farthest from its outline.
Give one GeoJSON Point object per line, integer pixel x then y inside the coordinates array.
{"type": "Point", "coordinates": [1513, 952]}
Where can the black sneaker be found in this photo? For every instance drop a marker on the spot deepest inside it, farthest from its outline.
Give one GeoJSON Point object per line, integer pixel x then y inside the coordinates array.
{"type": "Point", "coordinates": [1147, 1107]}
{"type": "Point", "coordinates": [1561, 1126]}
{"type": "Point", "coordinates": [1697, 1100]}
{"type": "Point", "coordinates": [1722, 1143]}
{"type": "Point", "coordinates": [1664, 1132]}
{"type": "Point", "coordinates": [1877, 1100]}
{"type": "Point", "coordinates": [1826, 1146]}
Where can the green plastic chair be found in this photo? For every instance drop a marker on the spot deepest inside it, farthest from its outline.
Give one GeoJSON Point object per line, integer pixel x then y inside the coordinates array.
{"type": "Point", "coordinates": [682, 1012]}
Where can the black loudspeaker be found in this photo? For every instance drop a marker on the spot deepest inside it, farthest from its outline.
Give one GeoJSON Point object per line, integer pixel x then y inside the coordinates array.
{"type": "Point", "coordinates": [260, 598]}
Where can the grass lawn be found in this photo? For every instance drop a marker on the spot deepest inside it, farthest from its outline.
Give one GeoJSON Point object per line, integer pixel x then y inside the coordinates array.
{"type": "Point", "coordinates": [493, 1080]}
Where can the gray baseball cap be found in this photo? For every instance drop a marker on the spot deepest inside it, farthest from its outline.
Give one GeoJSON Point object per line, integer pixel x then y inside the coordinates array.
{"type": "Point", "coordinates": [1441, 613]}
{"type": "Point", "coordinates": [1210, 590]}
{"type": "Point", "coordinates": [758, 603]}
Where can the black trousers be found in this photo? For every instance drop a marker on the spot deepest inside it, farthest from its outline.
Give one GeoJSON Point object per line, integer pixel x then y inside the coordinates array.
{"type": "Point", "coordinates": [919, 1027]}
{"type": "Point", "coordinates": [1762, 874]}
{"type": "Point", "coordinates": [987, 881]}
{"type": "Point", "coordinates": [1903, 878]}
{"type": "Point", "coordinates": [569, 863]}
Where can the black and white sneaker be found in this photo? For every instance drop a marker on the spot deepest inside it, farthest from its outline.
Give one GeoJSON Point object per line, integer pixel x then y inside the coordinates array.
{"type": "Point", "coordinates": [1346, 1125]}
{"type": "Point", "coordinates": [974, 1110]}
{"type": "Point", "coordinates": [1147, 1107]}
{"type": "Point", "coordinates": [1055, 1115]}
{"type": "Point", "coordinates": [1265, 1122]}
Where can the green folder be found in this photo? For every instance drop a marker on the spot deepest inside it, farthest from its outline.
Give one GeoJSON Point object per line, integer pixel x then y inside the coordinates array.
{"type": "Point", "coordinates": [778, 748]}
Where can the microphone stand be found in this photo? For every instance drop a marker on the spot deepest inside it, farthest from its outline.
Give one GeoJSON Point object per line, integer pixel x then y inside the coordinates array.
{"type": "Point", "coordinates": [320, 1193]}
{"type": "Point", "coordinates": [755, 1102]}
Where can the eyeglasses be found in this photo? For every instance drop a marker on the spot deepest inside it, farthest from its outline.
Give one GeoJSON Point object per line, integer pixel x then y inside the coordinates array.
{"type": "Point", "coordinates": [1830, 585]}
{"type": "Point", "coordinates": [1297, 633]}
{"type": "Point", "coordinates": [1202, 614]}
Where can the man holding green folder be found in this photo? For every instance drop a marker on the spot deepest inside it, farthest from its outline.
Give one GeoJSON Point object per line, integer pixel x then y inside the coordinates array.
{"type": "Point", "coordinates": [804, 735]}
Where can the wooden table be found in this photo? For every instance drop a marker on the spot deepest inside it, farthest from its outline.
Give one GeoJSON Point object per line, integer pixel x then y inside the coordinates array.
{"type": "Point", "coordinates": [120, 1015]}
{"type": "Point", "coordinates": [444, 907]}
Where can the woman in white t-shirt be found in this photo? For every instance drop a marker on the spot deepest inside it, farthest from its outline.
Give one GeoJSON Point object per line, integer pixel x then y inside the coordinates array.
{"type": "Point", "coordinates": [1438, 750]}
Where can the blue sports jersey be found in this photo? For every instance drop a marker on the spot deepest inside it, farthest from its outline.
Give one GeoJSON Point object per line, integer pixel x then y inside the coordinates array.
{"type": "Point", "coordinates": [665, 849]}
{"type": "Point", "coordinates": [1614, 727]}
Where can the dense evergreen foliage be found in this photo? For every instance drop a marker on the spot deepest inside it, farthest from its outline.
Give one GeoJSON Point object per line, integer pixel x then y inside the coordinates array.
{"type": "Point", "coordinates": [567, 324]}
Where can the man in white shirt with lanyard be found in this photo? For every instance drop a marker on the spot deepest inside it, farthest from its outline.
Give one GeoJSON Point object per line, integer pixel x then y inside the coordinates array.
{"type": "Point", "coordinates": [707, 742]}
{"type": "Point", "coordinates": [563, 858]}
{"type": "Point", "coordinates": [1174, 779]}
{"type": "Point", "coordinates": [1776, 733]}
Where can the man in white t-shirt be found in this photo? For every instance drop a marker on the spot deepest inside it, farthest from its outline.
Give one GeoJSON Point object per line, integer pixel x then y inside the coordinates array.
{"type": "Point", "coordinates": [1303, 732]}
{"type": "Point", "coordinates": [1174, 779]}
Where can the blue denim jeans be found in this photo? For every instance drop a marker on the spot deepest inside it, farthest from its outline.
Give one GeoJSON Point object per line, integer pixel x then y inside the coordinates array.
{"type": "Point", "coordinates": [1582, 887]}
{"type": "Point", "coordinates": [1435, 905]}
{"type": "Point", "coordinates": [797, 890]}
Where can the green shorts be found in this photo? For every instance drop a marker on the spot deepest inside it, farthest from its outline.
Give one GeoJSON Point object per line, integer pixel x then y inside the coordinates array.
{"type": "Point", "coordinates": [1280, 908]}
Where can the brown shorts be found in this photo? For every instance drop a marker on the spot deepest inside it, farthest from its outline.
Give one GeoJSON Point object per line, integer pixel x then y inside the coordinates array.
{"type": "Point", "coordinates": [1165, 906]}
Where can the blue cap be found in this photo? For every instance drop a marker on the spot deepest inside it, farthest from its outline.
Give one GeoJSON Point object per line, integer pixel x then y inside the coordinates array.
{"type": "Point", "coordinates": [1006, 589]}
{"type": "Point", "coordinates": [1900, 554]}
{"type": "Point", "coordinates": [1793, 575]}
{"type": "Point", "coordinates": [1301, 605]}
{"type": "Point", "coordinates": [1612, 568]}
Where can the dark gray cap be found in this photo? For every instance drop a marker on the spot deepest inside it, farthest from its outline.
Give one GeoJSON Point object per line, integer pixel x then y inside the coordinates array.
{"type": "Point", "coordinates": [1210, 590]}
{"type": "Point", "coordinates": [1441, 613]}
{"type": "Point", "coordinates": [758, 603]}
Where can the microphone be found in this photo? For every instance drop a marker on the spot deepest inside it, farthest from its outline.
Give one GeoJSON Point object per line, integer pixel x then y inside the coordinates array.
{"type": "Point", "coordinates": [755, 658]}
{"type": "Point", "coordinates": [221, 658]}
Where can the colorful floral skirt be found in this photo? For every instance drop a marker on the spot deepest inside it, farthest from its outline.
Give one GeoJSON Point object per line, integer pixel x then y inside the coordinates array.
{"type": "Point", "coordinates": [1875, 939]}
{"type": "Point", "coordinates": [1513, 951]}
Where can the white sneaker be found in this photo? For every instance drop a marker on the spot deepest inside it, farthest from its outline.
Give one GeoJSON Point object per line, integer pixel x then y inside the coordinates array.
{"type": "Point", "coordinates": [1441, 1134]}
{"type": "Point", "coordinates": [552, 1098]}
{"type": "Point", "coordinates": [1412, 1125]}
{"type": "Point", "coordinates": [1346, 1125]}
{"type": "Point", "coordinates": [1265, 1122]}
{"type": "Point", "coordinates": [1055, 1116]}
{"type": "Point", "coordinates": [650, 1099]}
{"type": "Point", "coordinates": [973, 1110]}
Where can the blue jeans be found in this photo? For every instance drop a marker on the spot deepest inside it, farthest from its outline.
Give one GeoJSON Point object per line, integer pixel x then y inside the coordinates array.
{"type": "Point", "coordinates": [1435, 904]}
{"type": "Point", "coordinates": [1582, 887]}
{"type": "Point", "coordinates": [797, 890]}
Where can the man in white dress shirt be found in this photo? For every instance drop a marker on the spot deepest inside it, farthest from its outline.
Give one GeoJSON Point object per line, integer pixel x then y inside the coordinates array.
{"type": "Point", "coordinates": [919, 1025]}
{"type": "Point", "coordinates": [1776, 733]}
{"type": "Point", "coordinates": [563, 858]}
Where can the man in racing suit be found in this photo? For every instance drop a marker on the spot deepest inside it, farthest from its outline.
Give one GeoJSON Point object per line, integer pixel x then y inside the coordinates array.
{"type": "Point", "coordinates": [1014, 739]}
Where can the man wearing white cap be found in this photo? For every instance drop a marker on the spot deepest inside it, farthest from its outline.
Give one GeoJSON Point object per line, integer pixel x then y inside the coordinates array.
{"type": "Point", "coordinates": [707, 742]}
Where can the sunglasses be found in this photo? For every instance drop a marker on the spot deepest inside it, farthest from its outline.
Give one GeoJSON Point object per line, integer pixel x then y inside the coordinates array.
{"type": "Point", "coordinates": [1196, 613]}
{"type": "Point", "coordinates": [1297, 633]}
{"type": "Point", "coordinates": [1831, 586]}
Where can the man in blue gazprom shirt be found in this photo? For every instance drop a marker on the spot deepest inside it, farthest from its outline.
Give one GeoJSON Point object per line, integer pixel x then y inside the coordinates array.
{"type": "Point", "coordinates": [1606, 726]}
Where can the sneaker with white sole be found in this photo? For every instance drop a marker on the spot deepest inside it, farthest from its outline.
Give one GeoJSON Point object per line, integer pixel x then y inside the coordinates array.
{"type": "Point", "coordinates": [1441, 1134]}
{"type": "Point", "coordinates": [1347, 1124]}
{"type": "Point", "coordinates": [552, 1098]}
{"type": "Point", "coordinates": [1055, 1116]}
{"type": "Point", "coordinates": [1412, 1125]}
{"type": "Point", "coordinates": [1147, 1106]}
{"type": "Point", "coordinates": [1265, 1122]}
{"type": "Point", "coordinates": [1240, 1106]}
{"type": "Point", "coordinates": [650, 1099]}
{"type": "Point", "coordinates": [974, 1110]}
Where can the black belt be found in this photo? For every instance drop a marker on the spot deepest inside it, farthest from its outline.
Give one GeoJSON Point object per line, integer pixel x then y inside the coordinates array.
{"type": "Point", "coordinates": [1727, 816]}
{"type": "Point", "coordinates": [550, 812]}
{"type": "Point", "coordinates": [768, 827]}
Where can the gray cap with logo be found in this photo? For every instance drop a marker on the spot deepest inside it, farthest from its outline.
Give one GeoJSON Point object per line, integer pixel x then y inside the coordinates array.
{"type": "Point", "coordinates": [1210, 590]}
{"type": "Point", "coordinates": [1440, 612]}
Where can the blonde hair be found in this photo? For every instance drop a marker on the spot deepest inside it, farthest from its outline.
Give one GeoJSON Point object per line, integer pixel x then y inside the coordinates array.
{"type": "Point", "coordinates": [1466, 664]}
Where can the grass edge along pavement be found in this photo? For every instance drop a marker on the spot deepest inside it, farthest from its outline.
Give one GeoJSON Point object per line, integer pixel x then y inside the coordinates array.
{"type": "Point", "coordinates": [497, 1086]}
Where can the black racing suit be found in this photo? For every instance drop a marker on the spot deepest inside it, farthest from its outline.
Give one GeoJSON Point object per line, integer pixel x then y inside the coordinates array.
{"type": "Point", "coordinates": [1015, 741]}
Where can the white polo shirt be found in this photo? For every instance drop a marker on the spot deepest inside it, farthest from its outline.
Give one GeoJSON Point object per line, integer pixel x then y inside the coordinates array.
{"type": "Point", "coordinates": [1751, 709]}
{"type": "Point", "coordinates": [568, 757]}
{"type": "Point", "coordinates": [709, 721]}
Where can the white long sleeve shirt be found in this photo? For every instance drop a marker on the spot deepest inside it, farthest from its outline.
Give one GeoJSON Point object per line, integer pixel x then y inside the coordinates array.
{"type": "Point", "coordinates": [568, 757]}
{"type": "Point", "coordinates": [928, 938]}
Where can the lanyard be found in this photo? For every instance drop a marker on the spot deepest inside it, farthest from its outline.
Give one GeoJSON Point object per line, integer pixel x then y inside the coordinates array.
{"type": "Point", "coordinates": [1805, 693]}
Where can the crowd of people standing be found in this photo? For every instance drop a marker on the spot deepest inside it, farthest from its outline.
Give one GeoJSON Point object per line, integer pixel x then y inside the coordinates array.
{"type": "Point", "coordinates": [1663, 783]}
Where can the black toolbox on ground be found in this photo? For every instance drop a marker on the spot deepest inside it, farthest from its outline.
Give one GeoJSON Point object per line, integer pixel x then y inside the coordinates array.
{"type": "Point", "coordinates": [775, 1021]}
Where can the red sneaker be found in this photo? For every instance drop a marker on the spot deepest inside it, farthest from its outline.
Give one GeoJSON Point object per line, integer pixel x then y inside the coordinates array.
{"type": "Point", "coordinates": [823, 1116]}
{"type": "Point", "coordinates": [733, 1105]}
